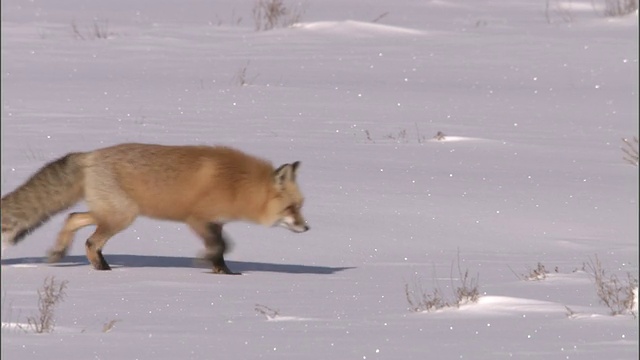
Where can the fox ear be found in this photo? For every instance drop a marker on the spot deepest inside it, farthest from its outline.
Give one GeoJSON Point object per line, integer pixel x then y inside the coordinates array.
{"type": "Point", "coordinates": [295, 166]}
{"type": "Point", "coordinates": [286, 172]}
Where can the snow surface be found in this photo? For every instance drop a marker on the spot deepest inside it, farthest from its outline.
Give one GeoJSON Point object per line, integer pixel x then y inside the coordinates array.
{"type": "Point", "coordinates": [532, 104]}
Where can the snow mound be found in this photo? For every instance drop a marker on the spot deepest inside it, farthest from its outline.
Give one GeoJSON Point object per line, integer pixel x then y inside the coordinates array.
{"type": "Point", "coordinates": [289, 318]}
{"type": "Point", "coordinates": [504, 304]}
{"type": "Point", "coordinates": [440, 137]}
{"type": "Point", "coordinates": [352, 27]}
{"type": "Point", "coordinates": [455, 138]}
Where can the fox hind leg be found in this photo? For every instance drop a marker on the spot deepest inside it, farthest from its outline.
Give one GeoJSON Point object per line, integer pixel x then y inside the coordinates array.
{"type": "Point", "coordinates": [74, 222]}
{"type": "Point", "coordinates": [94, 246]}
{"type": "Point", "coordinates": [107, 226]}
{"type": "Point", "coordinates": [112, 209]}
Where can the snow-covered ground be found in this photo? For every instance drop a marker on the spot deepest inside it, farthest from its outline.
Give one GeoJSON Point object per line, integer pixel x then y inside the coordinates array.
{"type": "Point", "coordinates": [533, 98]}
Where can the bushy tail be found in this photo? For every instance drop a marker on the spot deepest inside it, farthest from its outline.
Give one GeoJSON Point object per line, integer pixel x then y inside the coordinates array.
{"type": "Point", "coordinates": [55, 187]}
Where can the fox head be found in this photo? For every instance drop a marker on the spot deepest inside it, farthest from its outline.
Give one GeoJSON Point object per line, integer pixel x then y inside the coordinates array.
{"type": "Point", "coordinates": [285, 207]}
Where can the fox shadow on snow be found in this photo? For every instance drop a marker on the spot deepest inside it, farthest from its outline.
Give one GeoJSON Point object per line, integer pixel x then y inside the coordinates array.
{"type": "Point", "coordinates": [141, 261]}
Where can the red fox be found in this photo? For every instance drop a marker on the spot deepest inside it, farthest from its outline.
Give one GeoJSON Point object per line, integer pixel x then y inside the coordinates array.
{"type": "Point", "coordinates": [202, 186]}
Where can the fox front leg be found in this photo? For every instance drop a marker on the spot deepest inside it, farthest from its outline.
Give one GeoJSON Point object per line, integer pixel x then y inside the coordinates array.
{"type": "Point", "coordinates": [216, 246]}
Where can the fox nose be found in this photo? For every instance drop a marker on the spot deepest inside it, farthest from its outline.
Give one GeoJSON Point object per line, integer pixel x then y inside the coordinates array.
{"type": "Point", "coordinates": [300, 228]}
